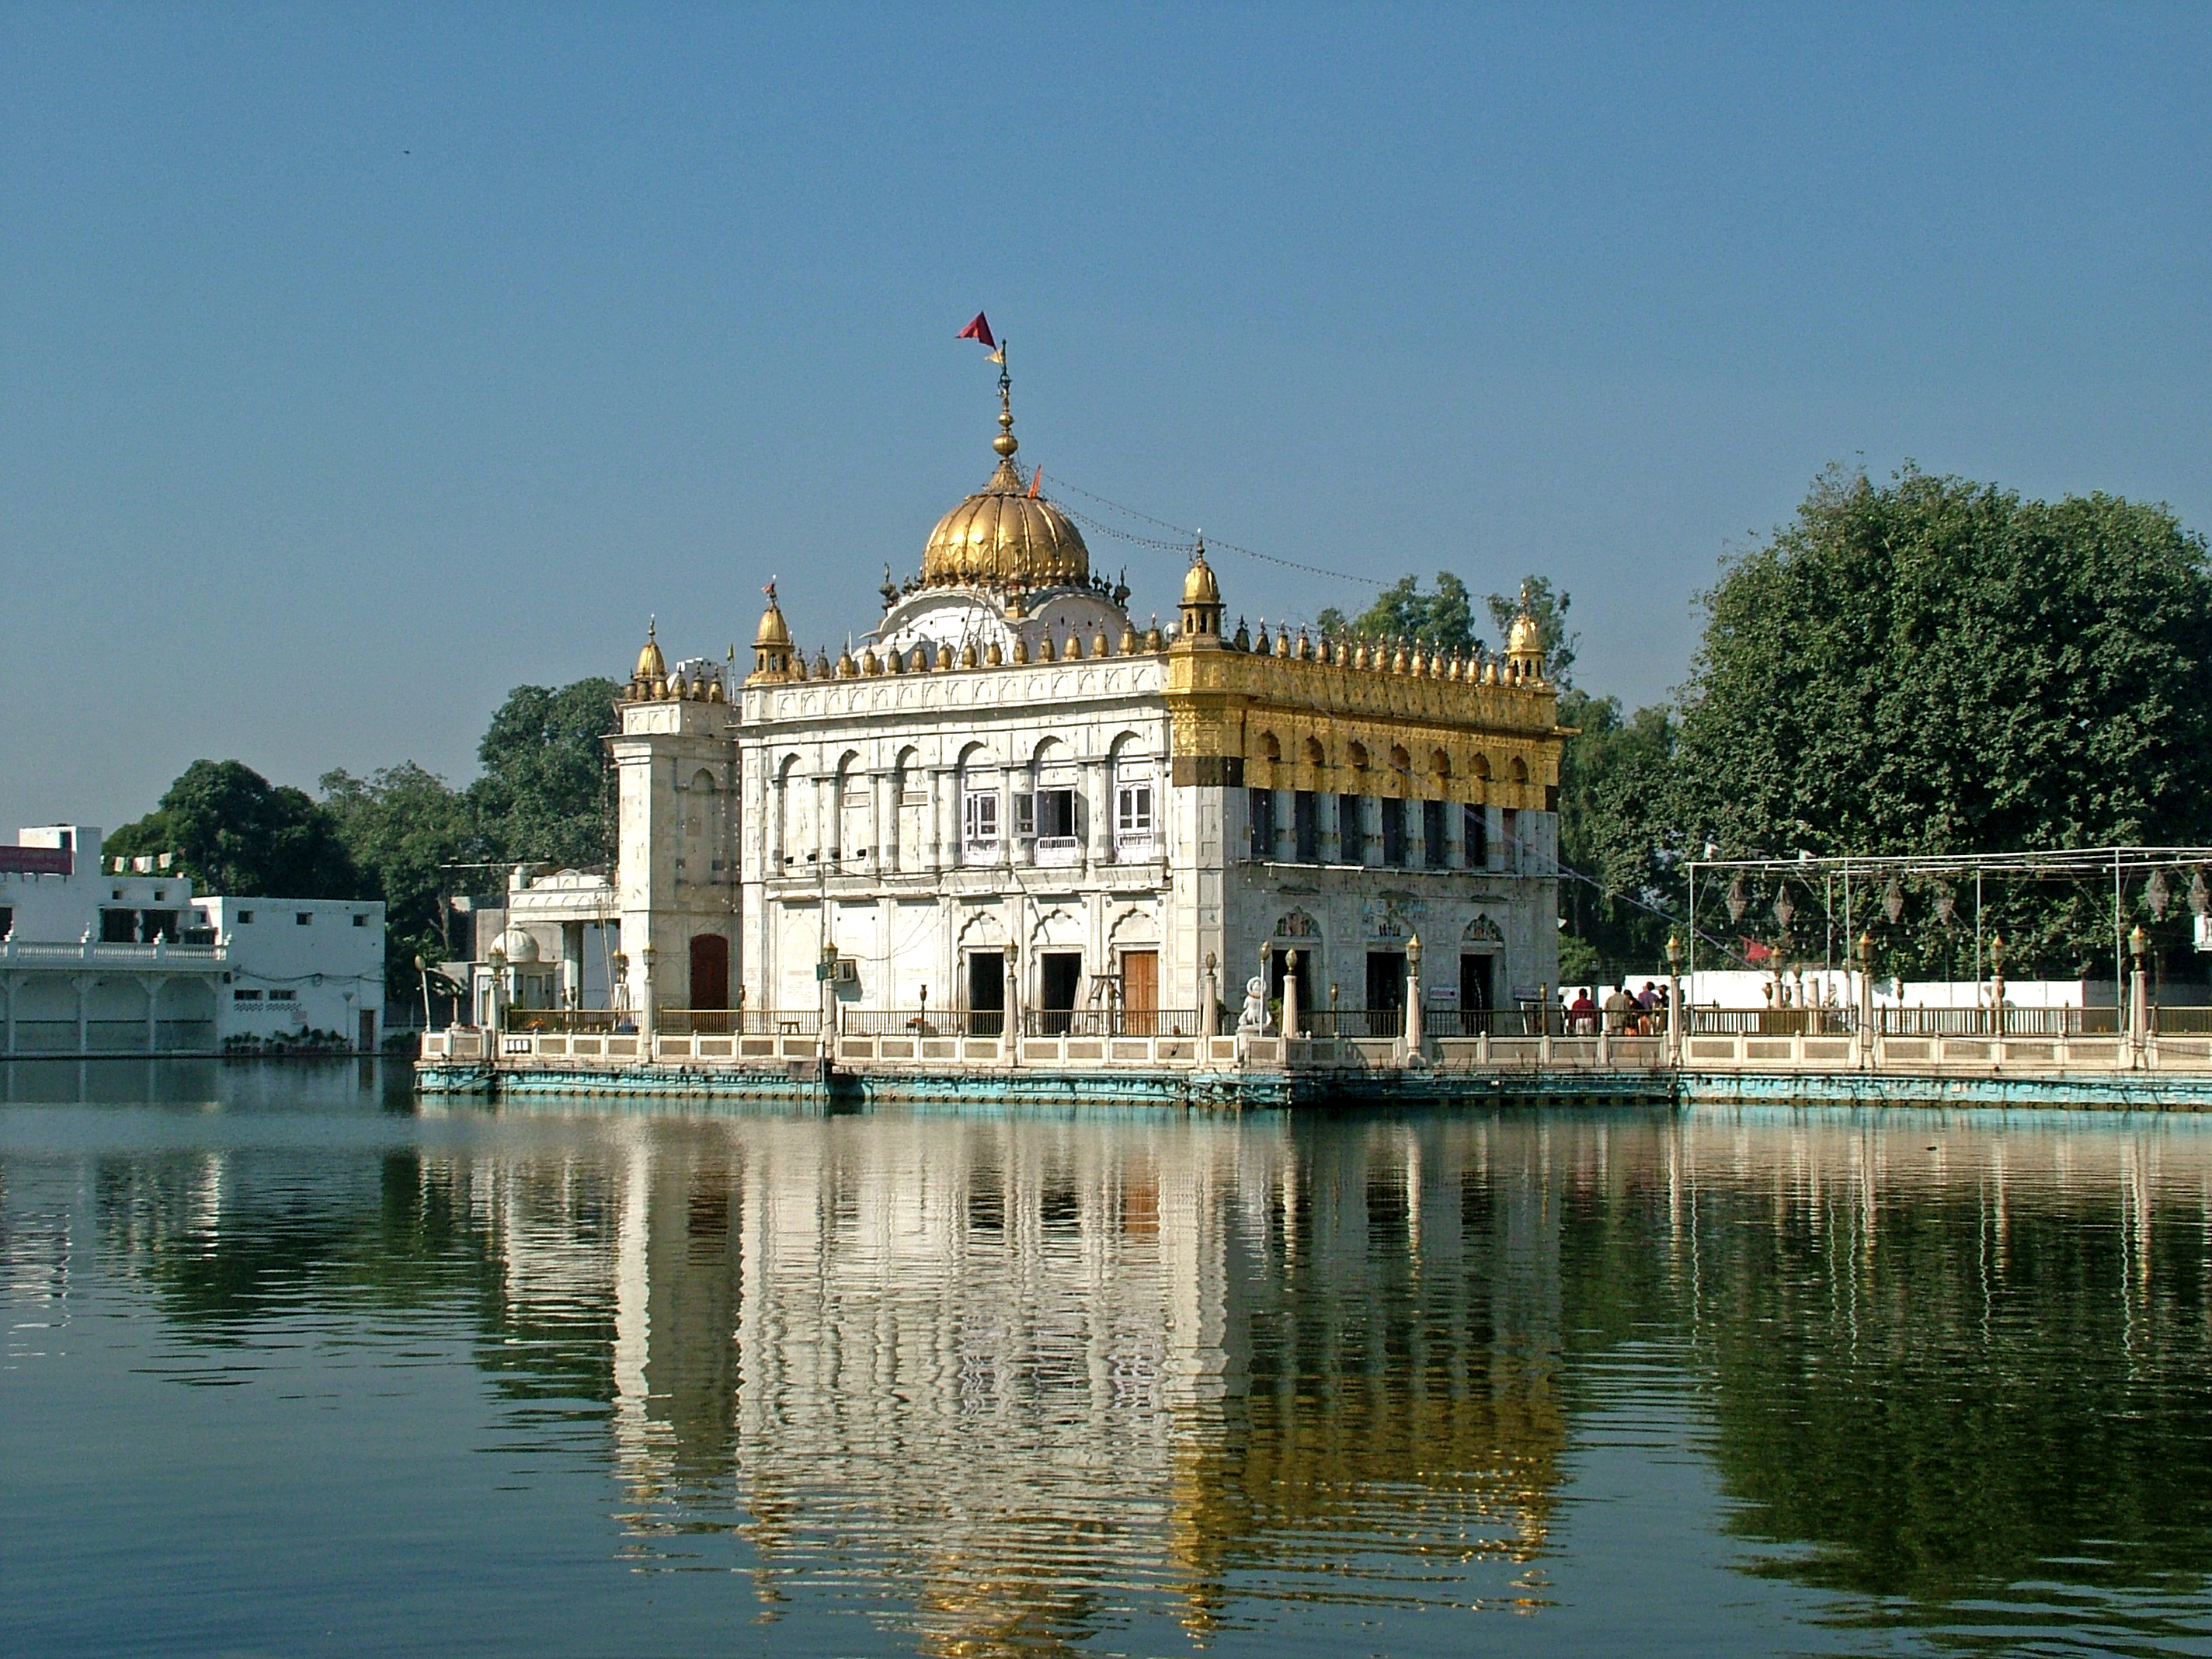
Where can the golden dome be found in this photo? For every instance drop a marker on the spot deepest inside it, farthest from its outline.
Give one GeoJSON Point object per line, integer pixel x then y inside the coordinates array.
{"type": "Point", "coordinates": [773, 634]}
{"type": "Point", "coordinates": [1199, 587]}
{"type": "Point", "coordinates": [651, 665]}
{"type": "Point", "coordinates": [1004, 535]}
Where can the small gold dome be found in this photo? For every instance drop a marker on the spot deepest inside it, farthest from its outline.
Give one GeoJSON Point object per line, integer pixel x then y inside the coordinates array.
{"type": "Point", "coordinates": [1199, 587]}
{"type": "Point", "coordinates": [1525, 640]}
{"type": "Point", "coordinates": [773, 634]}
{"type": "Point", "coordinates": [651, 665]}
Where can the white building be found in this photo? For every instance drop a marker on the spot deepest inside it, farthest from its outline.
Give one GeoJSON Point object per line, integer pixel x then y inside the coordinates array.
{"type": "Point", "coordinates": [1017, 798]}
{"type": "Point", "coordinates": [108, 955]}
{"type": "Point", "coordinates": [298, 966]}
{"type": "Point", "coordinates": [558, 937]}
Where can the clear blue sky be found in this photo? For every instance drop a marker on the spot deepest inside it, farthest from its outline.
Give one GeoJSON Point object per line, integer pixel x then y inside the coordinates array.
{"type": "Point", "coordinates": [359, 364]}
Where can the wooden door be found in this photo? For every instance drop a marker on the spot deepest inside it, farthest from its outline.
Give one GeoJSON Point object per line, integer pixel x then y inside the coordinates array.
{"type": "Point", "coordinates": [1141, 992]}
{"type": "Point", "coordinates": [710, 971]}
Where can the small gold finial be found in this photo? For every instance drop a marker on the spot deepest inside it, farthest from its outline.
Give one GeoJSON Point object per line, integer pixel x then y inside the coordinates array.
{"type": "Point", "coordinates": [1006, 443]}
{"type": "Point", "coordinates": [651, 665]}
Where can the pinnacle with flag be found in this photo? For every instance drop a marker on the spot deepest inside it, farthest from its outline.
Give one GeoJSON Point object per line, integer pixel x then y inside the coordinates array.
{"type": "Point", "coordinates": [980, 331]}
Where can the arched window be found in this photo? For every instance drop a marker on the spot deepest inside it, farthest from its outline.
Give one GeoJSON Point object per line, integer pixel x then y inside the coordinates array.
{"type": "Point", "coordinates": [980, 828]}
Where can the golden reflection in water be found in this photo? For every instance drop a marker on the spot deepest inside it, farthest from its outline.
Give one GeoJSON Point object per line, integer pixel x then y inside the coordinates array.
{"type": "Point", "coordinates": [1024, 1372]}
{"type": "Point", "coordinates": [1002, 1380]}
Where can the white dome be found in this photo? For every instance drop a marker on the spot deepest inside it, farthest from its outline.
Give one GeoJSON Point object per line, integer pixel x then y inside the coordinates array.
{"type": "Point", "coordinates": [516, 945]}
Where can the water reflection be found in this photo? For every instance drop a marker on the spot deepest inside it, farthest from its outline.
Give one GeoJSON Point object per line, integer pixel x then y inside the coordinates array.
{"type": "Point", "coordinates": [1008, 1384]}
{"type": "Point", "coordinates": [1027, 1371]}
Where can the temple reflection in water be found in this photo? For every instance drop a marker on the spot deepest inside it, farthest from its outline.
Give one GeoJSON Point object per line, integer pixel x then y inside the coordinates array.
{"type": "Point", "coordinates": [1006, 1384]}
{"type": "Point", "coordinates": [1005, 1363]}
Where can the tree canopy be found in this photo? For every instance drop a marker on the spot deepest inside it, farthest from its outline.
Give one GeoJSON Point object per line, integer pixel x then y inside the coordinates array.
{"type": "Point", "coordinates": [234, 832]}
{"type": "Point", "coordinates": [1929, 667]}
{"type": "Point", "coordinates": [409, 831]}
{"type": "Point", "coordinates": [1615, 774]}
{"type": "Point", "coordinates": [1402, 611]}
{"type": "Point", "coordinates": [402, 834]}
{"type": "Point", "coordinates": [1941, 666]}
{"type": "Point", "coordinates": [545, 793]}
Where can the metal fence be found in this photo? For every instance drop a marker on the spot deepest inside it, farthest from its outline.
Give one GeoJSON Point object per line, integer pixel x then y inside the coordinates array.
{"type": "Point", "coordinates": [1383, 1024]}
{"type": "Point", "coordinates": [567, 1019]}
{"type": "Point", "coordinates": [2169, 1022]}
{"type": "Point", "coordinates": [737, 1022]}
{"type": "Point", "coordinates": [922, 1022]}
{"type": "Point", "coordinates": [1530, 1021]}
{"type": "Point", "coordinates": [1110, 1022]}
{"type": "Point", "coordinates": [1768, 1022]}
{"type": "Point", "coordinates": [1978, 1022]}
{"type": "Point", "coordinates": [1923, 1022]}
{"type": "Point", "coordinates": [1325, 1023]}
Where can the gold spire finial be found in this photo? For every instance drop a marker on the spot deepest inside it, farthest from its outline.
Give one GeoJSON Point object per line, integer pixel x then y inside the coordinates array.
{"type": "Point", "coordinates": [650, 663]}
{"type": "Point", "coordinates": [1006, 443]}
{"type": "Point", "coordinates": [1524, 641]}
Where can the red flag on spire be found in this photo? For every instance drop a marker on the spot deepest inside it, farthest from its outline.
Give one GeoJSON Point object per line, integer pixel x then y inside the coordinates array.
{"type": "Point", "coordinates": [979, 330]}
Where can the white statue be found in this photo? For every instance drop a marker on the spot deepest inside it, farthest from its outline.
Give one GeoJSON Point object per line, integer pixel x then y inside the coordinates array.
{"type": "Point", "coordinates": [1252, 1021]}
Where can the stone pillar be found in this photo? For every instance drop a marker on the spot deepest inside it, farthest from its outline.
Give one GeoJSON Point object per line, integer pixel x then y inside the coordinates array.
{"type": "Point", "coordinates": [1290, 995]}
{"type": "Point", "coordinates": [1013, 1000]}
{"type": "Point", "coordinates": [877, 862]}
{"type": "Point", "coordinates": [776, 807]}
{"type": "Point", "coordinates": [1098, 793]}
{"type": "Point", "coordinates": [1413, 1033]}
{"type": "Point", "coordinates": [1327, 829]}
{"type": "Point", "coordinates": [648, 999]}
{"type": "Point", "coordinates": [1454, 815]}
{"type": "Point", "coordinates": [572, 961]}
{"type": "Point", "coordinates": [894, 829]}
{"type": "Point", "coordinates": [1209, 1001]}
{"type": "Point", "coordinates": [1007, 781]}
{"type": "Point", "coordinates": [935, 851]}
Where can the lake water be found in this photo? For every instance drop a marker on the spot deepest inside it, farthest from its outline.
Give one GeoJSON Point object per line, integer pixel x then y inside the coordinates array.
{"type": "Point", "coordinates": [293, 1366]}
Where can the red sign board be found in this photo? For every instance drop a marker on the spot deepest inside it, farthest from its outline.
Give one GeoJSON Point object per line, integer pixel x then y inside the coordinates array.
{"type": "Point", "coordinates": [37, 861]}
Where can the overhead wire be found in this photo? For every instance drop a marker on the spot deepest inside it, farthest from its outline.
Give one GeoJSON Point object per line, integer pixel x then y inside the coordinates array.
{"type": "Point", "coordinates": [1187, 537]}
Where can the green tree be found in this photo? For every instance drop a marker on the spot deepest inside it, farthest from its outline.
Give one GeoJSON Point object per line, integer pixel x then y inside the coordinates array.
{"type": "Point", "coordinates": [1445, 617]}
{"type": "Point", "coordinates": [1549, 608]}
{"type": "Point", "coordinates": [1940, 666]}
{"type": "Point", "coordinates": [1614, 778]}
{"type": "Point", "coordinates": [546, 793]}
{"type": "Point", "coordinates": [405, 829]}
{"type": "Point", "coordinates": [236, 833]}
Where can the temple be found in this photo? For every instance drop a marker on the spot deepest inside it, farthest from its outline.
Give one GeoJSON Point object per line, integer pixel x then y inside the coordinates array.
{"type": "Point", "coordinates": [1011, 806]}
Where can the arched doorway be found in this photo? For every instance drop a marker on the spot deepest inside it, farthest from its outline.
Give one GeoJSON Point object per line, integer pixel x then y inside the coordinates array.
{"type": "Point", "coordinates": [710, 971]}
